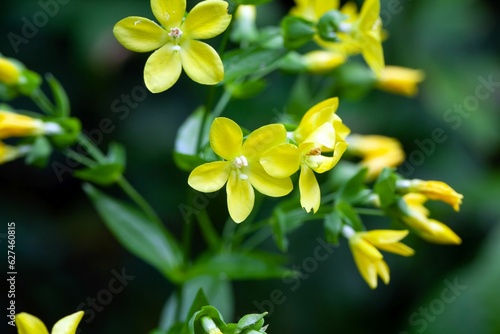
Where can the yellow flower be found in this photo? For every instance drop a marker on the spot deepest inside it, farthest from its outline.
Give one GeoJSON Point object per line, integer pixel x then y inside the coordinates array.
{"type": "Point", "coordinates": [176, 41]}
{"type": "Point", "coordinates": [400, 80]}
{"type": "Point", "coordinates": [28, 324]}
{"type": "Point", "coordinates": [434, 190]}
{"type": "Point", "coordinates": [431, 230]}
{"type": "Point", "coordinates": [368, 259]}
{"type": "Point", "coordinates": [312, 10]}
{"type": "Point", "coordinates": [322, 61]}
{"type": "Point", "coordinates": [240, 168]}
{"type": "Point", "coordinates": [376, 152]}
{"type": "Point", "coordinates": [9, 72]}
{"type": "Point", "coordinates": [320, 131]}
{"type": "Point", "coordinates": [9, 153]}
{"type": "Point", "coordinates": [16, 125]}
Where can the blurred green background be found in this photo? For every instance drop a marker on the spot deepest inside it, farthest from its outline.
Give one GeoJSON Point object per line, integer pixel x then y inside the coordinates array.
{"type": "Point", "coordinates": [64, 254]}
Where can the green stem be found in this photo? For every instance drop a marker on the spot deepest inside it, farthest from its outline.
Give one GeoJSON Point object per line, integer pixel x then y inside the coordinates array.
{"type": "Point", "coordinates": [371, 212]}
{"type": "Point", "coordinates": [79, 158]}
{"type": "Point", "coordinates": [208, 230]}
{"type": "Point", "coordinates": [43, 102]}
{"type": "Point", "coordinates": [221, 105]}
{"type": "Point", "coordinates": [93, 150]}
{"type": "Point", "coordinates": [140, 201]}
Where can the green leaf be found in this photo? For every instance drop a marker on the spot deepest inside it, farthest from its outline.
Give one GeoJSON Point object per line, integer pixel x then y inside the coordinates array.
{"type": "Point", "coordinates": [104, 174]}
{"type": "Point", "coordinates": [138, 235]}
{"type": "Point", "coordinates": [385, 187]}
{"type": "Point", "coordinates": [333, 227]}
{"type": "Point", "coordinates": [296, 31]}
{"type": "Point", "coordinates": [354, 190]}
{"type": "Point", "coordinates": [349, 215]}
{"type": "Point", "coordinates": [62, 106]}
{"type": "Point", "coordinates": [253, 62]}
{"type": "Point", "coordinates": [240, 266]}
{"type": "Point", "coordinates": [39, 153]}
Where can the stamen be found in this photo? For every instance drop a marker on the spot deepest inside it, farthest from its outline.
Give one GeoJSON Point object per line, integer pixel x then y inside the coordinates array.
{"type": "Point", "coordinates": [315, 151]}
{"type": "Point", "coordinates": [176, 48]}
{"type": "Point", "coordinates": [175, 33]}
{"type": "Point", "coordinates": [243, 176]}
{"type": "Point", "coordinates": [240, 161]}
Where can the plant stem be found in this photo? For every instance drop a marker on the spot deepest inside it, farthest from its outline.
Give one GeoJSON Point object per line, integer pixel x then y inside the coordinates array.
{"type": "Point", "coordinates": [208, 230]}
{"type": "Point", "coordinates": [221, 104]}
{"type": "Point", "coordinates": [140, 201]}
{"type": "Point", "coordinates": [93, 150]}
{"type": "Point", "coordinates": [371, 212]}
{"type": "Point", "coordinates": [79, 158]}
{"type": "Point", "coordinates": [43, 102]}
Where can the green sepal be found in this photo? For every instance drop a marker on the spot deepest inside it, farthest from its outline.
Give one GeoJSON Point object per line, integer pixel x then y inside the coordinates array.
{"type": "Point", "coordinates": [71, 130]}
{"type": "Point", "coordinates": [103, 174]}
{"type": "Point", "coordinates": [328, 25]}
{"type": "Point", "coordinates": [39, 153]}
{"type": "Point", "coordinates": [150, 242]}
{"type": "Point", "coordinates": [62, 106]}
{"type": "Point", "coordinates": [29, 82]}
{"type": "Point", "coordinates": [354, 190]}
{"type": "Point", "coordinates": [296, 31]}
{"type": "Point", "coordinates": [385, 187]}
{"type": "Point", "coordinates": [251, 321]}
{"type": "Point", "coordinates": [195, 326]}
{"type": "Point", "coordinates": [117, 154]}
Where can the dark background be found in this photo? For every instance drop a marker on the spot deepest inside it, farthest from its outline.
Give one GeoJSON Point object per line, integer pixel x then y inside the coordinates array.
{"type": "Point", "coordinates": [64, 254]}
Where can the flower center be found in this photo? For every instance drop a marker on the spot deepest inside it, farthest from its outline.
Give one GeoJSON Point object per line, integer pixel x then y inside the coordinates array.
{"type": "Point", "coordinates": [175, 33]}
{"type": "Point", "coordinates": [240, 161]}
{"type": "Point", "coordinates": [314, 151]}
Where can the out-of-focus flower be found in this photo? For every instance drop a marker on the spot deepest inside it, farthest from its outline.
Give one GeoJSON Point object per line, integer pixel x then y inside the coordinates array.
{"type": "Point", "coordinates": [244, 29]}
{"type": "Point", "coordinates": [376, 152]}
{"type": "Point", "coordinates": [29, 324]}
{"type": "Point", "coordinates": [434, 190]}
{"type": "Point", "coordinates": [416, 217]}
{"type": "Point", "coordinates": [9, 72]}
{"type": "Point", "coordinates": [400, 80]}
{"type": "Point", "coordinates": [240, 168]}
{"type": "Point", "coordinates": [176, 41]}
{"type": "Point", "coordinates": [368, 259]}
{"type": "Point", "coordinates": [9, 153]}
{"type": "Point", "coordinates": [312, 10]}
{"type": "Point", "coordinates": [16, 125]}
{"type": "Point", "coordinates": [322, 61]}
{"type": "Point", "coordinates": [320, 131]}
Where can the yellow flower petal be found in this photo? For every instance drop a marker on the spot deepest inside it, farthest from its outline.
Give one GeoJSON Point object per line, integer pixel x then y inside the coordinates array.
{"type": "Point", "coordinates": [267, 184]}
{"type": "Point", "coordinates": [439, 233]}
{"type": "Point", "coordinates": [369, 14]}
{"type": "Point", "coordinates": [370, 251]}
{"type": "Point", "coordinates": [8, 153]}
{"type": "Point", "coordinates": [17, 125]}
{"type": "Point", "coordinates": [263, 139]}
{"type": "Point", "coordinates": [373, 54]}
{"type": "Point", "coordinates": [400, 80]}
{"type": "Point", "coordinates": [365, 267]}
{"type": "Point", "coordinates": [397, 248]}
{"type": "Point", "coordinates": [207, 19]}
{"type": "Point", "coordinates": [226, 138]}
{"type": "Point", "coordinates": [310, 195]}
{"type": "Point", "coordinates": [140, 34]}
{"type": "Point", "coordinates": [322, 61]}
{"type": "Point", "coordinates": [201, 62]}
{"type": "Point", "coordinates": [169, 12]}
{"type": "Point", "coordinates": [323, 136]}
{"type": "Point", "coordinates": [383, 271]}
{"type": "Point", "coordinates": [240, 197]}
{"type": "Point", "coordinates": [29, 324]}
{"type": "Point", "coordinates": [68, 324]}
{"type": "Point", "coordinates": [210, 177]}
{"type": "Point", "coordinates": [321, 164]}
{"type": "Point", "coordinates": [9, 73]}
{"type": "Point", "coordinates": [281, 161]}
{"type": "Point", "coordinates": [163, 69]}
{"type": "Point", "coordinates": [378, 237]}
